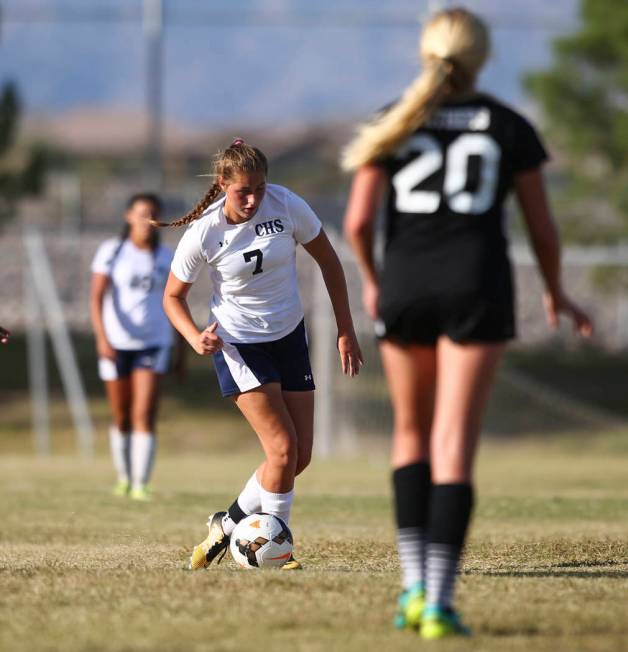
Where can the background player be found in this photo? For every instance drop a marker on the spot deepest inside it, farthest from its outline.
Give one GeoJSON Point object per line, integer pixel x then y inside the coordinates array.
{"type": "Point", "coordinates": [248, 239]}
{"type": "Point", "coordinates": [133, 338]}
{"type": "Point", "coordinates": [445, 156]}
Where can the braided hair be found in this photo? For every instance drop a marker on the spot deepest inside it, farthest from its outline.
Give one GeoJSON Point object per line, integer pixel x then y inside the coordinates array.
{"type": "Point", "coordinates": [237, 158]}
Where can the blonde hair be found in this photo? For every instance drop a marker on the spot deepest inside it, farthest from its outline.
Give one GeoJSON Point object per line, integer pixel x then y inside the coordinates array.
{"type": "Point", "coordinates": [453, 47]}
{"type": "Point", "coordinates": [237, 158]}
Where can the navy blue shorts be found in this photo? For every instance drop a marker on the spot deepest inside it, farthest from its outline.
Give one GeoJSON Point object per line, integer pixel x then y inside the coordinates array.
{"type": "Point", "coordinates": [242, 367]}
{"type": "Point", "coordinates": [154, 358]}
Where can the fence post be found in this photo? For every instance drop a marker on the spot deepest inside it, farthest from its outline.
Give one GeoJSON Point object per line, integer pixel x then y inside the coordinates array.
{"type": "Point", "coordinates": [37, 367]}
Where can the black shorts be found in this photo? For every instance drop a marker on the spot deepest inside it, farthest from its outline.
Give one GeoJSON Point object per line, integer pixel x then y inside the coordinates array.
{"type": "Point", "coordinates": [463, 319]}
{"type": "Point", "coordinates": [241, 367]}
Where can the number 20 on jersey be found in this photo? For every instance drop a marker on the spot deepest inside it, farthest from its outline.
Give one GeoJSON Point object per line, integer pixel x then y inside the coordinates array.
{"type": "Point", "coordinates": [455, 161]}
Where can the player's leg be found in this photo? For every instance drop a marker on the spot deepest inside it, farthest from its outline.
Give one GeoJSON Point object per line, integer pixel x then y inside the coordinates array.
{"type": "Point", "coordinates": [411, 376]}
{"type": "Point", "coordinates": [145, 398]}
{"type": "Point", "coordinates": [300, 406]}
{"type": "Point", "coordinates": [266, 412]}
{"type": "Point", "coordinates": [118, 390]}
{"type": "Point", "coordinates": [465, 377]}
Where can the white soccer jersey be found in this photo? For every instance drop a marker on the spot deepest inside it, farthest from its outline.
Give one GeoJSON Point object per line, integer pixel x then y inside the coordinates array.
{"type": "Point", "coordinates": [252, 265]}
{"type": "Point", "coordinates": [133, 316]}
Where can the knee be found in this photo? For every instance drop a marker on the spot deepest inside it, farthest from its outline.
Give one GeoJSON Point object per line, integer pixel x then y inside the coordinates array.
{"type": "Point", "coordinates": [282, 452]}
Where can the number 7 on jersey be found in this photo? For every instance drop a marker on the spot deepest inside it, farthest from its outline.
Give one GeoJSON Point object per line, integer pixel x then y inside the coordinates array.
{"type": "Point", "coordinates": [259, 257]}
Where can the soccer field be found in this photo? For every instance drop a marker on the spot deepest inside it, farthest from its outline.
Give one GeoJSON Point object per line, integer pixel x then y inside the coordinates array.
{"type": "Point", "coordinates": [546, 567]}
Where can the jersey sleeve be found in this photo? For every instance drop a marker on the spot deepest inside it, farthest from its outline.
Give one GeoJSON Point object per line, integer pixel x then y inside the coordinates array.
{"type": "Point", "coordinates": [306, 223]}
{"type": "Point", "coordinates": [188, 259]}
{"type": "Point", "coordinates": [105, 255]}
{"type": "Point", "coordinates": [529, 152]}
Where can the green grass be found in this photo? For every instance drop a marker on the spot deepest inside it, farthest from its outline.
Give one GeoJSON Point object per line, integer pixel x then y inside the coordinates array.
{"type": "Point", "coordinates": [546, 567]}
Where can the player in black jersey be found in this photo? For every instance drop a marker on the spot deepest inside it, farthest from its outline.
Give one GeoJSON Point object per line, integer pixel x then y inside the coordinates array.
{"type": "Point", "coordinates": [446, 157]}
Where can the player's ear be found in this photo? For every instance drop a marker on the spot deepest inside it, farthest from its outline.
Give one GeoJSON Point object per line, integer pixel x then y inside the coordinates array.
{"type": "Point", "coordinates": [223, 184]}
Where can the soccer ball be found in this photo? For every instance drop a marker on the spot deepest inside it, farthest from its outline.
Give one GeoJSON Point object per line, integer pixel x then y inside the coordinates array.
{"type": "Point", "coordinates": [261, 540]}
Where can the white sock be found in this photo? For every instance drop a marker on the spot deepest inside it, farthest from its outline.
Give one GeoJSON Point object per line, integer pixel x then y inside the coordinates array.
{"type": "Point", "coordinates": [143, 446]}
{"type": "Point", "coordinates": [250, 499]}
{"type": "Point", "coordinates": [277, 504]}
{"type": "Point", "coordinates": [119, 444]}
{"type": "Point", "coordinates": [249, 502]}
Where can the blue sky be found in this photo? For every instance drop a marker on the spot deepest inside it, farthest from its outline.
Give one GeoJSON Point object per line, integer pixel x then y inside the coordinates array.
{"type": "Point", "coordinates": [253, 62]}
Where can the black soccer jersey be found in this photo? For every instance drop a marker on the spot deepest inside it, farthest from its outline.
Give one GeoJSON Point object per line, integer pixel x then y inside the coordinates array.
{"type": "Point", "coordinates": [448, 183]}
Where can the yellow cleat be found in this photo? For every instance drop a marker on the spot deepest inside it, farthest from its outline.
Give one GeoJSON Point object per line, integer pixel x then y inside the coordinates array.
{"type": "Point", "coordinates": [217, 541]}
{"type": "Point", "coordinates": [292, 564]}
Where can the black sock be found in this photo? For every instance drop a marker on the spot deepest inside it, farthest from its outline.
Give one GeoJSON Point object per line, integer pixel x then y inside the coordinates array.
{"type": "Point", "coordinates": [412, 491]}
{"type": "Point", "coordinates": [450, 513]}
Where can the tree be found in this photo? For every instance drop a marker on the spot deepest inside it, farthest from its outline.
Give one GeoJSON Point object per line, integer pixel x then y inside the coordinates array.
{"type": "Point", "coordinates": [584, 98]}
{"type": "Point", "coordinates": [21, 172]}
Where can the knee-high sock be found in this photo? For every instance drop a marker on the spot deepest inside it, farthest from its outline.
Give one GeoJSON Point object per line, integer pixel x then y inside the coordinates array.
{"type": "Point", "coordinates": [120, 444]}
{"type": "Point", "coordinates": [411, 485]}
{"type": "Point", "coordinates": [450, 512]}
{"type": "Point", "coordinates": [248, 502]}
{"type": "Point", "coordinates": [143, 445]}
{"type": "Point", "coordinates": [277, 504]}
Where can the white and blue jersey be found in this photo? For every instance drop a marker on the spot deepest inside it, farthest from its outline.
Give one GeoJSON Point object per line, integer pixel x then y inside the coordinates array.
{"type": "Point", "coordinates": [255, 296]}
{"type": "Point", "coordinates": [133, 315]}
{"type": "Point", "coordinates": [252, 265]}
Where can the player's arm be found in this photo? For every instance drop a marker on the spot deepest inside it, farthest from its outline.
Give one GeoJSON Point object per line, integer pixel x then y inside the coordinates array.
{"type": "Point", "coordinates": [530, 190]}
{"type": "Point", "coordinates": [366, 194]}
{"type": "Point", "coordinates": [100, 283]}
{"type": "Point", "coordinates": [177, 309]}
{"type": "Point", "coordinates": [323, 253]}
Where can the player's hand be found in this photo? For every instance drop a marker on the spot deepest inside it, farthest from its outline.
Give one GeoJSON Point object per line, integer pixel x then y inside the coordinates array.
{"type": "Point", "coordinates": [370, 297]}
{"type": "Point", "coordinates": [558, 302]}
{"type": "Point", "coordinates": [208, 342]}
{"type": "Point", "coordinates": [4, 335]}
{"type": "Point", "coordinates": [105, 350]}
{"type": "Point", "coordinates": [350, 353]}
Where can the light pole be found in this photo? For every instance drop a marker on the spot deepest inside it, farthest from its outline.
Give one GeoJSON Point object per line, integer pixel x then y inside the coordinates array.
{"type": "Point", "coordinates": [153, 37]}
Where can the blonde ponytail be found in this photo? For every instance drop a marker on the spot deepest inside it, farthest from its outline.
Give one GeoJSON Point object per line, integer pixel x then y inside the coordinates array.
{"type": "Point", "coordinates": [453, 47]}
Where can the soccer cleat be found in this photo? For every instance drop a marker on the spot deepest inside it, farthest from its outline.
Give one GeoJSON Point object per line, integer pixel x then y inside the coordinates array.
{"type": "Point", "coordinates": [292, 564]}
{"type": "Point", "coordinates": [141, 494]}
{"type": "Point", "coordinates": [441, 622]}
{"type": "Point", "coordinates": [217, 541]}
{"type": "Point", "coordinates": [121, 488]}
{"type": "Point", "coordinates": [410, 606]}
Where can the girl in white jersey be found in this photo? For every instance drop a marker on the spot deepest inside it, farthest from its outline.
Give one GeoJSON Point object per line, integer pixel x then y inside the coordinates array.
{"type": "Point", "coordinates": [247, 242]}
{"type": "Point", "coordinates": [133, 338]}
{"type": "Point", "coordinates": [445, 157]}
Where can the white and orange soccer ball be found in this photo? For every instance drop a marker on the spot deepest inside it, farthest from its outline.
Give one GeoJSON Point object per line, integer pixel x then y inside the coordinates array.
{"type": "Point", "coordinates": [261, 541]}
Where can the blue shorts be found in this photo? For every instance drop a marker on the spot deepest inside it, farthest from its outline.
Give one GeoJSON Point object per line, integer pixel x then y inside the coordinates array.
{"type": "Point", "coordinates": [154, 358]}
{"type": "Point", "coordinates": [242, 367]}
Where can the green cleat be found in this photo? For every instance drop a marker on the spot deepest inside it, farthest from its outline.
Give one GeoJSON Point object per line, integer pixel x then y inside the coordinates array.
{"type": "Point", "coordinates": [410, 607]}
{"type": "Point", "coordinates": [121, 488]}
{"type": "Point", "coordinates": [441, 622]}
{"type": "Point", "coordinates": [141, 494]}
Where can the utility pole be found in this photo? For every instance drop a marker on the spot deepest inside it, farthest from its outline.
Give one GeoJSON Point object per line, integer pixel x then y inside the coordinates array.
{"type": "Point", "coordinates": [153, 38]}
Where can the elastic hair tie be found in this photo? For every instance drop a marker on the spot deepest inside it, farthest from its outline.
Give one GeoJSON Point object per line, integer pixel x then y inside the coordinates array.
{"type": "Point", "coordinates": [237, 141]}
